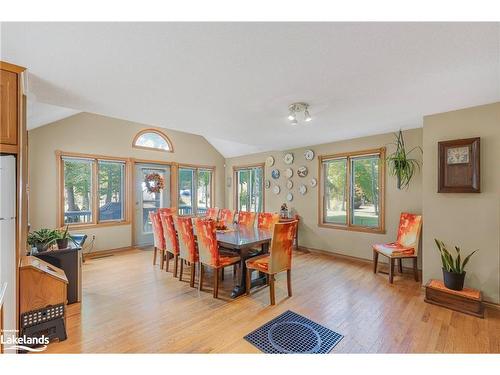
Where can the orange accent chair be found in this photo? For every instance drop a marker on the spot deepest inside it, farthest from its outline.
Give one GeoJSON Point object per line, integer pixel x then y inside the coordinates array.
{"type": "Point", "coordinates": [188, 251]}
{"type": "Point", "coordinates": [171, 240]}
{"type": "Point", "coordinates": [168, 210]}
{"type": "Point", "coordinates": [209, 252]}
{"type": "Point", "coordinates": [266, 220]}
{"type": "Point", "coordinates": [405, 247]}
{"type": "Point", "coordinates": [213, 213]}
{"type": "Point", "coordinates": [278, 260]}
{"type": "Point", "coordinates": [158, 239]}
{"type": "Point", "coordinates": [246, 219]}
{"type": "Point", "coordinates": [226, 216]}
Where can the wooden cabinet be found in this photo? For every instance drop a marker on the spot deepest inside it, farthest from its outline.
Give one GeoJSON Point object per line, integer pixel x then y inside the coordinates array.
{"type": "Point", "coordinates": [8, 107]}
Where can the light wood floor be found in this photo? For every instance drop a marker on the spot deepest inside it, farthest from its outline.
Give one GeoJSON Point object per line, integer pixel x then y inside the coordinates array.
{"type": "Point", "coordinates": [129, 306]}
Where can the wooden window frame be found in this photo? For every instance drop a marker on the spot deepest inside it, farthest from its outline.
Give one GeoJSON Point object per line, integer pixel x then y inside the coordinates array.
{"type": "Point", "coordinates": [381, 152]}
{"type": "Point", "coordinates": [156, 131]}
{"type": "Point", "coordinates": [235, 183]}
{"type": "Point", "coordinates": [196, 168]}
{"type": "Point", "coordinates": [60, 155]}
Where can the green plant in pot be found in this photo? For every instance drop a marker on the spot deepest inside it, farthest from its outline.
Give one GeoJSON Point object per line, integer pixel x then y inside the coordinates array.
{"type": "Point", "coordinates": [400, 164]}
{"type": "Point", "coordinates": [453, 268]}
{"type": "Point", "coordinates": [42, 239]}
{"type": "Point", "coordinates": [63, 238]}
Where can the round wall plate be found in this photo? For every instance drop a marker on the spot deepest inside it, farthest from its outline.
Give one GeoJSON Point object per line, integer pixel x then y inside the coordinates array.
{"type": "Point", "coordinates": [302, 171]}
{"type": "Point", "coordinates": [276, 189]}
{"type": "Point", "coordinates": [289, 197]}
{"type": "Point", "coordinates": [302, 189]}
{"type": "Point", "coordinates": [289, 172]}
{"type": "Point", "coordinates": [275, 173]}
{"type": "Point", "coordinates": [289, 184]}
{"type": "Point", "coordinates": [309, 155]}
{"type": "Point", "coordinates": [270, 161]}
{"type": "Point", "coordinates": [268, 184]}
{"type": "Point", "coordinates": [313, 182]}
{"type": "Point", "coordinates": [288, 158]}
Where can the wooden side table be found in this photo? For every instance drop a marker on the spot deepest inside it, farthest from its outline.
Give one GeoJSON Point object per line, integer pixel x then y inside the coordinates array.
{"type": "Point", "coordinates": [468, 301]}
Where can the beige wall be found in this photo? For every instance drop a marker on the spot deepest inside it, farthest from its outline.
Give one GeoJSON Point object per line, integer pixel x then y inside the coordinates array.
{"type": "Point", "coordinates": [357, 244]}
{"type": "Point", "coordinates": [94, 134]}
{"type": "Point", "coordinates": [471, 221]}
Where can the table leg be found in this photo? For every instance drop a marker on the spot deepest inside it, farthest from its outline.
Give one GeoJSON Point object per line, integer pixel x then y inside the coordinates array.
{"type": "Point", "coordinates": [240, 288]}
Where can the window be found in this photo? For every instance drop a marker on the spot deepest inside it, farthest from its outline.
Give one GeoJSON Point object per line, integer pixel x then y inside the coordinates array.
{"type": "Point", "coordinates": [195, 190]}
{"type": "Point", "coordinates": [249, 184]}
{"type": "Point", "coordinates": [93, 190]}
{"type": "Point", "coordinates": [152, 139]}
{"type": "Point", "coordinates": [353, 191]}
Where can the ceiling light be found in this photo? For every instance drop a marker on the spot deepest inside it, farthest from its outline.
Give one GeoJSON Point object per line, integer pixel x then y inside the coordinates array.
{"type": "Point", "coordinates": [307, 116]}
{"type": "Point", "coordinates": [299, 107]}
{"type": "Point", "coordinates": [291, 116]}
{"type": "Point", "coordinates": [294, 122]}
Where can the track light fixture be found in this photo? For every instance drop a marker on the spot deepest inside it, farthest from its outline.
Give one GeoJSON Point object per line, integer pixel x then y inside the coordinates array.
{"type": "Point", "coordinates": [295, 108]}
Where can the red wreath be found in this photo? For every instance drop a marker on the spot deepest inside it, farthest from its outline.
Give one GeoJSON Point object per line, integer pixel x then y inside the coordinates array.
{"type": "Point", "coordinates": [154, 183]}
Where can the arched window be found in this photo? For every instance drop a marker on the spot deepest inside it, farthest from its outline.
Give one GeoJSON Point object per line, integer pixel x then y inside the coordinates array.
{"type": "Point", "coordinates": [152, 139]}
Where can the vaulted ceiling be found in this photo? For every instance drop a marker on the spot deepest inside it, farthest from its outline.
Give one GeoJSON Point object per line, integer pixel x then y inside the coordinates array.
{"type": "Point", "coordinates": [232, 82]}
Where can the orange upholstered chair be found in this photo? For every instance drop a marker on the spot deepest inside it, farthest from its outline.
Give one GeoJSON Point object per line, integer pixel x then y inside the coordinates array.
{"type": "Point", "coordinates": [158, 239]}
{"type": "Point", "coordinates": [213, 213]}
{"type": "Point", "coordinates": [171, 240]}
{"type": "Point", "coordinates": [266, 220]}
{"type": "Point", "coordinates": [278, 260]}
{"type": "Point", "coordinates": [188, 251]}
{"type": "Point", "coordinates": [406, 245]}
{"type": "Point", "coordinates": [168, 210]}
{"type": "Point", "coordinates": [246, 219]}
{"type": "Point", "coordinates": [209, 252]}
{"type": "Point", "coordinates": [226, 216]}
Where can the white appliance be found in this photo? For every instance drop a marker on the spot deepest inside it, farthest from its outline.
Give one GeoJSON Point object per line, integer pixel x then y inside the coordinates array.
{"type": "Point", "coordinates": [8, 250]}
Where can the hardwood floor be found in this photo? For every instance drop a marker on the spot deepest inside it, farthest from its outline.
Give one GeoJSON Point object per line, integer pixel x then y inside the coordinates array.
{"type": "Point", "coordinates": [131, 306]}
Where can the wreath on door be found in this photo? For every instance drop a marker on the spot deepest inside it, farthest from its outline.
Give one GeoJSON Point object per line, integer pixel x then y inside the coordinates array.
{"type": "Point", "coordinates": [155, 183]}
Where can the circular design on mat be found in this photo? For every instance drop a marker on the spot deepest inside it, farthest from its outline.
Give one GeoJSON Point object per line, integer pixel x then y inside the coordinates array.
{"type": "Point", "coordinates": [276, 189]}
{"type": "Point", "coordinates": [270, 161]}
{"type": "Point", "coordinates": [288, 158]}
{"type": "Point", "coordinates": [289, 184]}
{"type": "Point", "coordinates": [289, 197]}
{"type": "Point", "coordinates": [309, 155]}
{"type": "Point", "coordinates": [289, 172]}
{"type": "Point", "coordinates": [268, 184]}
{"type": "Point", "coordinates": [314, 182]}
{"type": "Point", "coordinates": [294, 337]}
{"type": "Point", "coordinates": [302, 171]}
{"type": "Point", "coordinates": [302, 189]}
{"type": "Point", "coordinates": [275, 173]}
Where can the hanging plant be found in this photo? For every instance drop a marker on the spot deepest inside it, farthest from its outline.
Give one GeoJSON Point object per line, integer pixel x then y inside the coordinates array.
{"type": "Point", "coordinates": [400, 164]}
{"type": "Point", "coordinates": [155, 183]}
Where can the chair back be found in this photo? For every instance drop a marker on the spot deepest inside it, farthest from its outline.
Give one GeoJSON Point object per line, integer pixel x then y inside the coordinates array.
{"type": "Point", "coordinates": [171, 240]}
{"type": "Point", "coordinates": [168, 210]}
{"type": "Point", "coordinates": [158, 239]}
{"type": "Point", "coordinates": [266, 220]}
{"type": "Point", "coordinates": [207, 242]}
{"type": "Point", "coordinates": [226, 216]}
{"type": "Point", "coordinates": [213, 213]}
{"type": "Point", "coordinates": [409, 229]}
{"type": "Point", "coordinates": [246, 219]}
{"type": "Point", "coordinates": [187, 244]}
{"type": "Point", "coordinates": [281, 246]}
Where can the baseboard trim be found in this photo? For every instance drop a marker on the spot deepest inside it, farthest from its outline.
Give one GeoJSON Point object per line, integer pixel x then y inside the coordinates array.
{"type": "Point", "coordinates": [492, 305]}
{"type": "Point", "coordinates": [102, 253]}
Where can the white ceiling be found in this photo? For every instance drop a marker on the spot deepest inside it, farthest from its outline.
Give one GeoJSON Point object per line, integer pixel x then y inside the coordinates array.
{"type": "Point", "coordinates": [233, 82]}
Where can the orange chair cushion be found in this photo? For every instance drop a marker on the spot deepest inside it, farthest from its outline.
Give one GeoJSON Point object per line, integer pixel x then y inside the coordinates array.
{"type": "Point", "coordinates": [225, 260]}
{"type": "Point", "coordinates": [260, 263]}
{"type": "Point", "coordinates": [394, 249]}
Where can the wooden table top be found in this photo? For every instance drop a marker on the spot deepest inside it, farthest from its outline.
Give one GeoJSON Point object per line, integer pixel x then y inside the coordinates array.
{"type": "Point", "coordinates": [243, 237]}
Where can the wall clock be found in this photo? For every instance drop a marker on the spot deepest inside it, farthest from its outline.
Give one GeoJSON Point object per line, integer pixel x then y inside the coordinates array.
{"type": "Point", "coordinates": [459, 166]}
{"type": "Point", "coordinates": [268, 184]}
{"type": "Point", "coordinates": [270, 161]}
{"type": "Point", "coordinates": [302, 189]}
{"type": "Point", "coordinates": [302, 171]}
{"type": "Point", "coordinates": [276, 189]}
{"type": "Point", "coordinates": [289, 197]}
{"type": "Point", "coordinates": [288, 158]}
{"type": "Point", "coordinates": [289, 172]}
{"type": "Point", "coordinates": [275, 173]}
{"type": "Point", "coordinates": [309, 155]}
{"type": "Point", "coordinates": [313, 182]}
{"type": "Point", "coordinates": [289, 184]}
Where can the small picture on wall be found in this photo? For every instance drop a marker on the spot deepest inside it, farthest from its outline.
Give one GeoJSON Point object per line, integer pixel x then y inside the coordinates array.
{"type": "Point", "coordinates": [457, 155]}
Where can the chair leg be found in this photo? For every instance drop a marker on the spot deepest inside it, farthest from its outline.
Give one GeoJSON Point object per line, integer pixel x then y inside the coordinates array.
{"type": "Point", "coordinates": [216, 282]}
{"type": "Point", "coordinates": [222, 274]}
{"type": "Point", "coordinates": [234, 269]}
{"type": "Point", "coordinates": [271, 289]}
{"type": "Point", "coordinates": [180, 271]}
{"type": "Point", "coordinates": [167, 261]}
{"type": "Point", "coordinates": [155, 250]}
{"type": "Point", "coordinates": [162, 258]}
{"type": "Point", "coordinates": [176, 262]}
{"type": "Point", "coordinates": [375, 261]}
{"type": "Point", "coordinates": [391, 270]}
{"type": "Point", "coordinates": [193, 272]}
{"type": "Point", "coordinates": [415, 269]}
{"type": "Point", "coordinates": [200, 282]}
{"type": "Point", "coordinates": [400, 265]}
{"type": "Point", "coordinates": [248, 280]}
{"type": "Point", "coordinates": [289, 282]}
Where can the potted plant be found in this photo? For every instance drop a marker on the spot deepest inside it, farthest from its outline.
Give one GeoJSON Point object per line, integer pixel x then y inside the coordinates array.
{"type": "Point", "coordinates": [63, 237]}
{"type": "Point", "coordinates": [400, 164]}
{"type": "Point", "coordinates": [42, 238]}
{"type": "Point", "coordinates": [453, 268]}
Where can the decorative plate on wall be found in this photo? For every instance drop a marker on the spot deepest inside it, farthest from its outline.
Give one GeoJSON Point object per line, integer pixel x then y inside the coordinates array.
{"type": "Point", "coordinates": [289, 184]}
{"type": "Point", "coordinates": [268, 184]}
{"type": "Point", "coordinates": [275, 174]}
{"type": "Point", "coordinates": [309, 155]}
{"type": "Point", "coordinates": [313, 182]}
{"type": "Point", "coordinates": [289, 197]}
{"type": "Point", "coordinates": [270, 161]}
{"type": "Point", "coordinates": [288, 158]}
{"type": "Point", "coordinates": [289, 172]}
{"type": "Point", "coordinates": [276, 189]}
{"type": "Point", "coordinates": [302, 189]}
{"type": "Point", "coordinates": [302, 171]}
